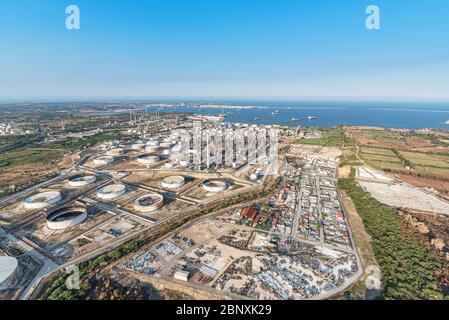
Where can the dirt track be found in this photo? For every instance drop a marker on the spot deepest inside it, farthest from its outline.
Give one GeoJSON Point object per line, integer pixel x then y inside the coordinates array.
{"type": "Point", "coordinates": [363, 243]}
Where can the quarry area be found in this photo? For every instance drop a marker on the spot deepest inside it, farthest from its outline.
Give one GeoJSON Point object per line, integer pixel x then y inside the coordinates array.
{"type": "Point", "coordinates": [399, 194]}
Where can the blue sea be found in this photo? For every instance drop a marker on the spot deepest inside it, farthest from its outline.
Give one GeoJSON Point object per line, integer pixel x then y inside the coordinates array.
{"type": "Point", "coordinates": [329, 114]}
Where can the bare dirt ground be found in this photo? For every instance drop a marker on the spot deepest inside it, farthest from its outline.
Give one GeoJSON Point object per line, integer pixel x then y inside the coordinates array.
{"type": "Point", "coordinates": [434, 231]}
{"type": "Point", "coordinates": [363, 243]}
{"type": "Point", "coordinates": [405, 196]}
{"type": "Point", "coordinates": [442, 187]}
{"type": "Point", "coordinates": [25, 174]}
{"type": "Point", "coordinates": [315, 151]}
{"type": "Point", "coordinates": [344, 172]}
{"type": "Point", "coordinates": [438, 225]}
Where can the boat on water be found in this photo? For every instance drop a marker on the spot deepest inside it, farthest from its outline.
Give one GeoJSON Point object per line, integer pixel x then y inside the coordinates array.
{"type": "Point", "coordinates": [311, 118]}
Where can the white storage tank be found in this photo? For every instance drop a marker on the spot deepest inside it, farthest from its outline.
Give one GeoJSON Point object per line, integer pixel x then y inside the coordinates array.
{"type": "Point", "coordinates": [111, 192]}
{"type": "Point", "coordinates": [42, 200]}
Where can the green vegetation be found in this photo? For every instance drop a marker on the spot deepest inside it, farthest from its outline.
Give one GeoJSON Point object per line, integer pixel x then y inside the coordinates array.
{"type": "Point", "coordinates": [378, 151]}
{"type": "Point", "coordinates": [383, 135]}
{"type": "Point", "coordinates": [349, 159]}
{"type": "Point", "coordinates": [4, 164]}
{"type": "Point", "coordinates": [82, 242]}
{"type": "Point", "coordinates": [389, 160]}
{"type": "Point", "coordinates": [9, 140]}
{"type": "Point", "coordinates": [387, 166]}
{"type": "Point", "coordinates": [22, 168]}
{"type": "Point", "coordinates": [424, 159]}
{"type": "Point", "coordinates": [332, 137]}
{"type": "Point", "coordinates": [432, 170]}
{"type": "Point", "coordinates": [380, 158]}
{"type": "Point", "coordinates": [29, 156]}
{"type": "Point", "coordinates": [58, 290]}
{"type": "Point", "coordinates": [80, 143]}
{"type": "Point", "coordinates": [408, 268]}
{"type": "Point", "coordinates": [5, 190]}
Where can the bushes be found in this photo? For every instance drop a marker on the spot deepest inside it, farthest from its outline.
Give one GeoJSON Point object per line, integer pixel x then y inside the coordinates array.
{"type": "Point", "coordinates": [4, 164]}
{"type": "Point", "coordinates": [408, 268]}
{"type": "Point", "coordinates": [80, 143]}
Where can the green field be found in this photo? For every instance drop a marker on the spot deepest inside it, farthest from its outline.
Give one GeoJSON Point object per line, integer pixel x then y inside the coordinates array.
{"type": "Point", "coordinates": [333, 137]}
{"type": "Point", "coordinates": [383, 135]}
{"type": "Point", "coordinates": [424, 159]}
{"type": "Point", "coordinates": [380, 158]}
{"type": "Point", "coordinates": [386, 165]}
{"type": "Point", "coordinates": [28, 156]}
{"type": "Point", "coordinates": [80, 143]}
{"type": "Point", "coordinates": [384, 159]}
{"type": "Point", "coordinates": [434, 170]}
{"type": "Point", "coordinates": [379, 151]}
{"type": "Point", "coordinates": [350, 159]}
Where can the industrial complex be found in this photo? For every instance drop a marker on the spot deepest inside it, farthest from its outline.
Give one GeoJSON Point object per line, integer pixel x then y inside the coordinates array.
{"type": "Point", "coordinates": [292, 244]}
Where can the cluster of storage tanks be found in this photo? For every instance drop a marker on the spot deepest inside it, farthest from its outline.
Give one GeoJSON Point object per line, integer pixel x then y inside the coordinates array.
{"type": "Point", "coordinates": [167, 147]}
{"type": "Point", "coordinates": [46, 199]}
{"type": "Point", "coordinates": [63, 217]}
{"type": "Point", "coordinates": [152, 147]}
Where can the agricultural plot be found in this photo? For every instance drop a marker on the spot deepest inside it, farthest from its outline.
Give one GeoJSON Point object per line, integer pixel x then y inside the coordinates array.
{"type": "Point", "coordinates": [378, 151]}
{"type": "Point", "coordinates": [434, 170]}
{"type": "Point", "coordinates": [425, 160]}
{"type": "Point", "coordinates": [386, 165]}
{"type": "Point", "coordinates": [380, 158]}
{"type": "Point", "coordinates": [379, 136]}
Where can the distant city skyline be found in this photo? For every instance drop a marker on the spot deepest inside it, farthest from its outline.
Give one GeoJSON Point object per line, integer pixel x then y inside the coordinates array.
{"type": "Point", "coordinates": [224, 49]}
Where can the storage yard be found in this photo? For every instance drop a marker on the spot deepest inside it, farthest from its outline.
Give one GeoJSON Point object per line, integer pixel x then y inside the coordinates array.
{"type": "Point", "coordinates": [293, 244]}
{"type": "Point", "coordinates": [245, 262]}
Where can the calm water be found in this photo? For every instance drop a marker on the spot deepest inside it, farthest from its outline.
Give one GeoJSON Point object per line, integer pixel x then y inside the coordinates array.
{"type": "Point", "coordinates": [389, 115]}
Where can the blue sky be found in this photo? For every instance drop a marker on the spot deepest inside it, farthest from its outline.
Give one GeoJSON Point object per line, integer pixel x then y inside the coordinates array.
{"type": "Point", "coordinates": [312, 49]}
